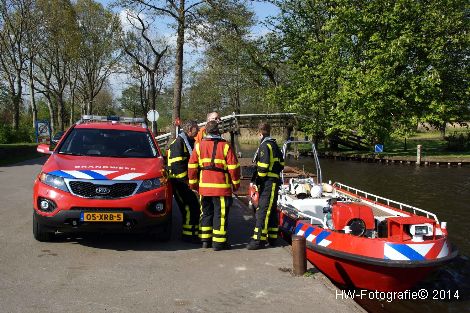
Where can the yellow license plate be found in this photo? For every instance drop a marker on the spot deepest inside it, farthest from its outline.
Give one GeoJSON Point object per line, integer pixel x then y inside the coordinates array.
{"type": "Point", "coordinates": [102, 217]}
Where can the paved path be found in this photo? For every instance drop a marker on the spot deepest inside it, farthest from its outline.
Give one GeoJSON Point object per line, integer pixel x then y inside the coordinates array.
{"type": "Point", "coordinates": [105, 273]}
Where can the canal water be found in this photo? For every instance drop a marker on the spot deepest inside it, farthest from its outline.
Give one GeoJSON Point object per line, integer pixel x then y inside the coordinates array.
{"type": "Point", "coordinates": [444, 191]}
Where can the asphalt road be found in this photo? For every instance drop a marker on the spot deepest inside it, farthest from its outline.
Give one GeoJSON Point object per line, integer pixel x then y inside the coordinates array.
{"type": "Point", "coordinates": [115, 273]}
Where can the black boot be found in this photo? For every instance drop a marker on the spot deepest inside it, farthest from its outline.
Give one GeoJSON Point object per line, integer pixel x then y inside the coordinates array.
{"type": "Point", "coordinates": [272, 242]}
{"type": "Point", "coordinates": [206, 244]}
{"type": "Point", "coordinates": [221, 246]}
{"type": "Point", "coordinates": [191, 239]}
{"type": "Point", "coordinates": [255, 245]}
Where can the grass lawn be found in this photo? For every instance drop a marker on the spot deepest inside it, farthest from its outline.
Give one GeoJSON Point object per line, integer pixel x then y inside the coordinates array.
{"type": "Point", "coordinates": [18, 152]}
{"type": "Point", "coordinates": [432, 146]}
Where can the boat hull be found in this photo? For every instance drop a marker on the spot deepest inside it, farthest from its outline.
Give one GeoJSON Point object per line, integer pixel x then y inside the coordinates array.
{"type": "Point", "coordinates": [369, 263]}
{"type": "Point", "coordinates": [356, 274]}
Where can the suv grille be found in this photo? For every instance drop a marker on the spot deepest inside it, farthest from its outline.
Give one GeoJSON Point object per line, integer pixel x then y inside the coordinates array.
{"type": "Point", "coordinates": [92, 190]}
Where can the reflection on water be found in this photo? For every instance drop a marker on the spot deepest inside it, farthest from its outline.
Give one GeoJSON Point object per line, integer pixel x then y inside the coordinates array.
{"type": "Point", "coordinates": [440, 190]}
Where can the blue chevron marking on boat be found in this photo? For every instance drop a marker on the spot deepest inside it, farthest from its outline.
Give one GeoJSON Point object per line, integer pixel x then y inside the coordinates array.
{"type": "Point", "coordinates": [61, 174]}
{"type": "Point", "coordinates": [322, 236]}
{"type": "Point", "coordinates": [308, 231]}
{"type": "Point", "coordinates": [299, 227]}
{"type": "Point", "coordinates": [407, 251]}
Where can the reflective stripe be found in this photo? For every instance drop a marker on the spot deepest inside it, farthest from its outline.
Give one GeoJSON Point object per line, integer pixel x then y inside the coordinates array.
{"type": "Point", "coordinates": [256, 237]}
{"type": "Point", "coordinates": [216, 239]}
{"type": "Point", "coordinates": [205, 228]}
{"type": "Point", "coordinates": [275, 229]}
{"type": "Point", "coordinates": [273, 236]}
{"type": "Point", "coordinates": [262, 174]}
{"type": "Point", "coordinates": [205, 236]}
{"type": "Point", "coordinates": [189, 226]}
{"type": "Point", "coordinates": [226, 147]}
{"type": "Point", "coordinates": [193, 181]}
{"type": "Point", "coordinates": [219, 232]}
{"type": "Point", "coordinates": [187, 232]}
{"type": "Point", "coordinates": [232, 167]}
{"type": "Point", "coordinates": [271, 159]}
{"type": "Point", "coordinates": [173, 160]}
{"type": "Point", "coordinates": [208, 160]}
{"type": "Point", "coordinates": [272, 175]}
{"type": "Point", "coordinates": [213, 185]}
{"type": "Point", "coordinates": [235, 182]}
{"type": "Point", "coordinates": [193, 165]}
{"type": "Point", "coordinates": [184, 174]}
{"type": "Point", "coordinates": [268, 212]}
{"type": "Point", "coordinates": [264, 165]}
{"type": "Point", "coordinates": [222, 218]}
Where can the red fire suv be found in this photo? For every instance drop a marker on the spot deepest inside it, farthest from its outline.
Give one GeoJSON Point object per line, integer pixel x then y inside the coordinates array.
{"type": "Point", "coordinates": [105, 174]}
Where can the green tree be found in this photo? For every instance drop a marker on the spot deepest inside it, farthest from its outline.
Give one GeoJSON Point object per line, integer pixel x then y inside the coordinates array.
{"type": "Point", "coordinates": [99, 50]}
{"type": "Point", "coordinates": [15, 23]}
{"type": "Point", "coordinates": [377, 66]}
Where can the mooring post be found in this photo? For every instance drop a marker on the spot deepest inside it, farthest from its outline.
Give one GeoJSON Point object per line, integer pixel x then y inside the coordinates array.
{"type": "Point", "coordinates": [299, 255]}
{"type": "Point", "coordinates": [418, 154]}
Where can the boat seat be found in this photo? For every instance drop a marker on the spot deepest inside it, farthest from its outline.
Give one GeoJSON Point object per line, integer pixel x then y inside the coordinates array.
{"type": "Point", "coordinates": [310, 206]}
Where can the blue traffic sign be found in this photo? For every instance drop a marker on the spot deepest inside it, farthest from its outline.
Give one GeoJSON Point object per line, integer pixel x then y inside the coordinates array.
{"type": "Point", "coordinates": [379, 148]}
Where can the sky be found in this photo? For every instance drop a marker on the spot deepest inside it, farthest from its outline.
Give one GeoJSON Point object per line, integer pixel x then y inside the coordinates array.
{"type": "Point", "coordinates": [262, 10]}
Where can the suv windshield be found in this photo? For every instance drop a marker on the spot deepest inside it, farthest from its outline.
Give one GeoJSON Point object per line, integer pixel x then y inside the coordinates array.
{"type": "Point", "coordinates": [109, 143]}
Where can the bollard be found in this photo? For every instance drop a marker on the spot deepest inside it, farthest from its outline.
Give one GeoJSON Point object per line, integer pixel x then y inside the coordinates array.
{"type": "Point", "coordinates": [299, 255]}
{"type": "Point", "coordinates": [418, 154]}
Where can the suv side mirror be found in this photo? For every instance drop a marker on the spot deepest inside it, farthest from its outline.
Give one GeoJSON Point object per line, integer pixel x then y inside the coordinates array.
{"type": "Point", "coordinates": [43, 148]}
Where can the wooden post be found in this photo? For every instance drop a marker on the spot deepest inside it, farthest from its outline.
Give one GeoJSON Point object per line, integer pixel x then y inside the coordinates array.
{"type": "Point", "coordinates": [418, 154]}
{"type": "Point", "coordinates": [299, 261]}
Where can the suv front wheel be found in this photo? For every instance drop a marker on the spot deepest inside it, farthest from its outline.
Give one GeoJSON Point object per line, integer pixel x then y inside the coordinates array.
{"type": "Point", "coordinates": [40, 233]}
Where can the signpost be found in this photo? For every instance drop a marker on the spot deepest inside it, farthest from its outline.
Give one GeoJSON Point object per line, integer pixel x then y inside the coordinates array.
{"type": "Point", "coordinates": [43, 131]}
{"type": "Point", "coordinates": [153, 116]}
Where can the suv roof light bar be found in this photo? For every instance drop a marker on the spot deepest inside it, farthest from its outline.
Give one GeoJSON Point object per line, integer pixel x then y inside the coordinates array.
{"type": "Point", "coordinates": [122, 119]}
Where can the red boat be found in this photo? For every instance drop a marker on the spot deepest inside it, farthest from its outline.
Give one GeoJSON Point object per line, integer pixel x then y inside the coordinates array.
{"type": "Point", "coordinates": [358, 239]}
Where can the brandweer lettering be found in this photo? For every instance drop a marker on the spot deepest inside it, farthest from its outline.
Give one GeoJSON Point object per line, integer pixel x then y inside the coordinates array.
{"type": "Point", "coordinates": [105, 167]}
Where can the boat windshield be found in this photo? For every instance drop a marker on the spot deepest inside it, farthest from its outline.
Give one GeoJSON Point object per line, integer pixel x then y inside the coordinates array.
{"type": "Point", "coordinates": [109, 143]}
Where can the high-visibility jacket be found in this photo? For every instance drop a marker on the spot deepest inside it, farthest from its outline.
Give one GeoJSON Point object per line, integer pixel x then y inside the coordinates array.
{"type": "Point", "coordinates": [213, 167]}
{"type": "Point", "coordinates": [270, 161]}
{"type": "Point", "coordinates": [178, 157]}
{"type": "Point", "coordinates": [201, 134]}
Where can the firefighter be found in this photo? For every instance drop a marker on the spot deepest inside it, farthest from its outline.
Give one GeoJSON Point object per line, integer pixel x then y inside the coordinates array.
{"type": "Point", "coordinates": [179, 153]}
{"type": "Point", "coordinates": [214, 171]}
{"type": "Point", "coordinates": [212, 116]}
{"type": "Point", "coordinates": [269, 164]}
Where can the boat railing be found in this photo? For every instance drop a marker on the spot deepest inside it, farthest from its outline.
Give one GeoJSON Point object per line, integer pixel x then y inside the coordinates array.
{"type": "Point", "coordinates": [314, 152]}
{"type": "Point", "coordinates": [389, 202]}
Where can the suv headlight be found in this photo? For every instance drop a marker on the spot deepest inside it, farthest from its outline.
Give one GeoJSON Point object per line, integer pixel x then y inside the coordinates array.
{"type": "Point", "coordinates": [53, 181]}
{"type": "Point", "coordinates": [150, 184]}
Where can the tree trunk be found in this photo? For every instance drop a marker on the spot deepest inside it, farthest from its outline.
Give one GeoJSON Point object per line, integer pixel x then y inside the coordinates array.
{"type": "Point", "coordinates": [442, 129]}
{"type": "Point", "coordinates": [60, 112]}
{"type": "Point", "coordinates": [153, 99]}
{"type": "Point", "coordinates": [52, 114]}
{"type": "Point", "coordinates": [17, 102]}
{"type": "Point", "coordinates": [178, 86]}
{"type": "Point", "coordinates": [34, 109]}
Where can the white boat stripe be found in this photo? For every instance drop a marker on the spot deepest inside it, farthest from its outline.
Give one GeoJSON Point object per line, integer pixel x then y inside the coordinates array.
{"type": "Point", "coordinates": [78, 174]}
{"type": "Point", "coordinates": [393, 254]}
{"type": "Point", "coordinates": [444, 251]}
{"type": "Point", "coordinates": [311, 237]}
{"type": "Point", "coordinates": [422, 249]}
{"type": "Point", "coordinates": [324, 243]}
{"type": "Point", "coordinates": [128, 176]}
{"type": "Point", "coordinates": [300, 232]}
